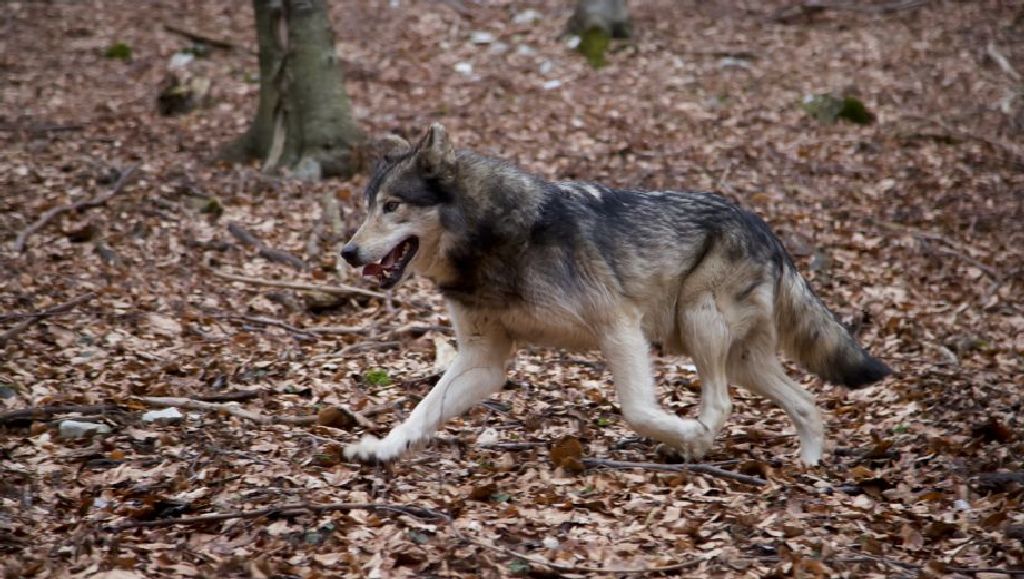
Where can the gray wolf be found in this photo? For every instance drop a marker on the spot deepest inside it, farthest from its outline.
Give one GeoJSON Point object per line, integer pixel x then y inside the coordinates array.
{"type": "Point", "coordinates": [583, 266]}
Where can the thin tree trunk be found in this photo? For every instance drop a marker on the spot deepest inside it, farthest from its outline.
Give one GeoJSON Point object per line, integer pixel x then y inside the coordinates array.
{"type": "Point", "coordinates": [325, 115]}
{"type": "Point", "coordinates": [304, 118]}
{"type": "Point", "coordinates": [609, 17]}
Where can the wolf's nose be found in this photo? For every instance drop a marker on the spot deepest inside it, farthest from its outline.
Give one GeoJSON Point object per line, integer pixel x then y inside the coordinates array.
{"type": "Point", "coordinates": [350, 253]}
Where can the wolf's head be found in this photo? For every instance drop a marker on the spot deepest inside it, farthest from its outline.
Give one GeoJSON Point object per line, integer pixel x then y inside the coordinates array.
{"type": "Point", "coordinates": [406, 198]}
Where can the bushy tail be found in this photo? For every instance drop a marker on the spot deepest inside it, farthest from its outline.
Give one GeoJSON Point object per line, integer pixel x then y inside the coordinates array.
{"type": "Point", "coordinates": [810, 334]}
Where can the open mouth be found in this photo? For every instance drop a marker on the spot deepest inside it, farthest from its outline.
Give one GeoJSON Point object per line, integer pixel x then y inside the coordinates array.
{"type": "Point", "coordinates": [389, 270]}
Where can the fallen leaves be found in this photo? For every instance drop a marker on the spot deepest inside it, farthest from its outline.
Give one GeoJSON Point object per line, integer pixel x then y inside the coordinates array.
{"type": "Point", "coordinates": [909, 227]}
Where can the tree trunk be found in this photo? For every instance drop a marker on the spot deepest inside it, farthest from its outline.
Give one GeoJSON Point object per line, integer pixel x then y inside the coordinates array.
{"type": "Point", "coordinates": [304, 119]}
{"type": "Point", "coordinates": [609, 17]}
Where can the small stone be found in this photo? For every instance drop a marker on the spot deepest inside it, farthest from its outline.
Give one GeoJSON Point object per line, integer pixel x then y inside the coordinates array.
{"type": "Point", "coordinates": [164, 416]}
{"type": "Point", "coordinates": [74, 430]}
{"type": "Point", "coordinates": [527, 17]}
{"type": "Point", "coordinates": [487, 437]}
{"type": "Point", "coordinates": [482, 37]}
{"type": "Point", "coordinates": [464, 68]}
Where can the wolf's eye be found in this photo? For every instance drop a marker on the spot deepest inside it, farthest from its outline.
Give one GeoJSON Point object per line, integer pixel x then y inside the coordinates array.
{"type": "Point", "coordinates": [391, 207]}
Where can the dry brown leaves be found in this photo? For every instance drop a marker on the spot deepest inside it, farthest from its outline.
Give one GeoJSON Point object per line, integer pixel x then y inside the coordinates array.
{"type": "Point", "coordinates": [910, 228]}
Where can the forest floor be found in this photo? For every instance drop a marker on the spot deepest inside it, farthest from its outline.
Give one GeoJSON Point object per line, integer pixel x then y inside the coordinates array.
{"type": "Point", "coordinates": [910, 228]}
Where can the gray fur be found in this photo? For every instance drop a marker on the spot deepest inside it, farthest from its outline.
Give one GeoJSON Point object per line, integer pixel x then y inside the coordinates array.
{"type": "Point", "coordinates": [569, 264]}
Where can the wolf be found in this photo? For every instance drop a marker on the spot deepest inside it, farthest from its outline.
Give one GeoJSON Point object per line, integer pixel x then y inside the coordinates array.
{"type": "Point", "coordinates": [582, 266]}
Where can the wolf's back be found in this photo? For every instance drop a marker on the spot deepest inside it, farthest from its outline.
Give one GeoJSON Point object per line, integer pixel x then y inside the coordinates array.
{"type": "Point", "coordinates": [810, 334]}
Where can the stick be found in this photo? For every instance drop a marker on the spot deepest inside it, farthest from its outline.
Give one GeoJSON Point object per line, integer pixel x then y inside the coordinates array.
{"type": "Point", "coordinates": [46, 412]}
{"type": "Point", "coordinates": [33, 318]}
{"type": "Point", "coordinates": [46, 217]}
{"type": "Point", "coordinates": [285, 511]}
{"type": "Point", "coordinates": [237, 411]}
{"type": "Point", "coordinates": [269, 322]}
{"type": "Point", "coordinates": [339, 289]}
{"type": "Point", "coordinates": [698, 468]}
{"type": "Point", "coordinates": [200, 37]}
{"type": "Point", "coordinates": [268, 253]}
{"type": "Point", "coordinates": [233, 396]}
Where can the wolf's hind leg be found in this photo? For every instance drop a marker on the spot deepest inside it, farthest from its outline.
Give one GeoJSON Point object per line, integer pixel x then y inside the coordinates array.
{"type": "Point", "coordinates": [477, 372]}
{"type": "Point", "coordinates": [754, 366]}
{"type": "Point", "coordinates": [627, 351]}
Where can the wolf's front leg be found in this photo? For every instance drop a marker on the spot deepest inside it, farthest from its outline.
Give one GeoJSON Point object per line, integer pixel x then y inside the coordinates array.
{"type": "Point", "coordinates": [628, 354]}
{"type": "Point", "coordinates": [477, 372]}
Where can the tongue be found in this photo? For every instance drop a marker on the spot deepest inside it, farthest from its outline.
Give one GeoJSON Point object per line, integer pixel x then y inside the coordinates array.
{"type": "Point", "coordinates": [373, 270]}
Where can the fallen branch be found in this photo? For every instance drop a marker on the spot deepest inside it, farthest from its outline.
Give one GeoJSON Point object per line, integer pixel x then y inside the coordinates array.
{"type": "Point", "coordinates": [698, 468]}
{"type": "Point", "coordinates": [29, 415]}
{"type": "Point", "coordinates": [237, 411]}
{"type": "Point", "coordinates": [32, 318]}
{"type": "Point", "coordinates": [285, 511]}
{"type": "Point", "coordinates": [268, 322]}
{"type": "Point", "coordinates": [200, 37]}
{"type": "Point", "coordinates": [339, 289]}
{"type": "Point", "coordinates": [22, 239]}
{"type": "Point", "coordinates": [233, 396]}
{"type": "Point", "coordinates": [266, 252]}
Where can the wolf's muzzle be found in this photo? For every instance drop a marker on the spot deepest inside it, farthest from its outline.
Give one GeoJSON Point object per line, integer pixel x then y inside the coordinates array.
{"type": "Point", "coordinates": [350, 253]}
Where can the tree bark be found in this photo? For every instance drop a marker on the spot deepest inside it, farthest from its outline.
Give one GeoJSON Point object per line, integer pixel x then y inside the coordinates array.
{"type": "Point", "coordinates": [610, 17]}
{"type": "Point", "coordinates": [304, 118]}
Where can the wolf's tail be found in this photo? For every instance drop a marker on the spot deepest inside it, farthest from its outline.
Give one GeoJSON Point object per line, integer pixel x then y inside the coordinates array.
{"type": "Point", "coordinates": [810, 334]}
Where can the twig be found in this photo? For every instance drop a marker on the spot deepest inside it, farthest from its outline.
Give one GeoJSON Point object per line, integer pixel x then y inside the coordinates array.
{"type": "Point", "coordinates": [200, 37]}
{"type": "Point", "coordinates": [1001, 61]}
{"type": "Point", "coordinates": [266, 252]}
{"type": "Point", "coordinates": [285, 511]}
{"type": "Point", "coordinates": [233, 396]}
{"type": "Point", "coordinates": [46, 217]}
{"type": "Point", "coordinates": [237, 411]}
{"type": "Point", "coordinates": [33, 318]}
{"type": "Point", "coordinates": [269, 322]}
{"type": "Point", "coordinates": [363, 346]}
{"type": "Point", "coordinates": [244, 235]}
{"type": "Point", "coordinates": [513, 446]}
{"type": "Point", "coordinates": [339, 289]}
{"type": "Point", "coordinates": [46, 412]}
{"type": "Point", "coordinates": [698, 468]}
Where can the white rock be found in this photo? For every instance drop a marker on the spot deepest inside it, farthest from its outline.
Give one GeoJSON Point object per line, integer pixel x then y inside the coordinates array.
{"type": "Point", "coordinates": [73, 429]}
{"type": "Point", "coordinates": [181, 60]}
{"type": "Point", "coordinates": [572, 42]}
{"type": "Point", "coordinates": [551, 542]}
{"type": "Point", "coordinates": [464, 68]}
{"type": "Point", "coordinates": [527, 17]}
{"type": "Point", "coordinates": [488, 436]}
{"type": "Point", "coordinates": [481, 37]}
{"type": "Point", "coordinates": [552, 84]}
{"type": "Point", "coordinates": [163, 416]}
{"type": "Point", "coordinates": [525, 50]}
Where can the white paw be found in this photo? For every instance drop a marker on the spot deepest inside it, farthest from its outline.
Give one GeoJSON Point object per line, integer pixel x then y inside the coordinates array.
{"type": "Point", "coordinates": [695, 440]}
{"type": "Point", "coordinates": [810, 455]}
{"type": "Point", "coordinates": [371, 449]}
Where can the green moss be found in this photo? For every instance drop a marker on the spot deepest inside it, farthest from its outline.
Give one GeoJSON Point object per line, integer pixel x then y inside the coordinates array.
{"type": "Point", "coordinates": [594, 44]}
{"type": "Point", "coordinates": [120, 51]}
{"type": "Point", "coordinates": [377, 377]}
{"type": "Point", "coordinates": [829, 108]}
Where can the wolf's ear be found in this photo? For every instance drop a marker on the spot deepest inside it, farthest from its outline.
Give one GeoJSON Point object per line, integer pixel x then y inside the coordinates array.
{"type": "Point", "coordinates": [390, 147]}
{"type": "Point", "coordinates": [436, 155]}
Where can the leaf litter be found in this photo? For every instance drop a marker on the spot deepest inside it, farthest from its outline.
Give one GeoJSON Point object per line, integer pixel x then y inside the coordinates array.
{"type": "Point", "coordinates": [909, 227]}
